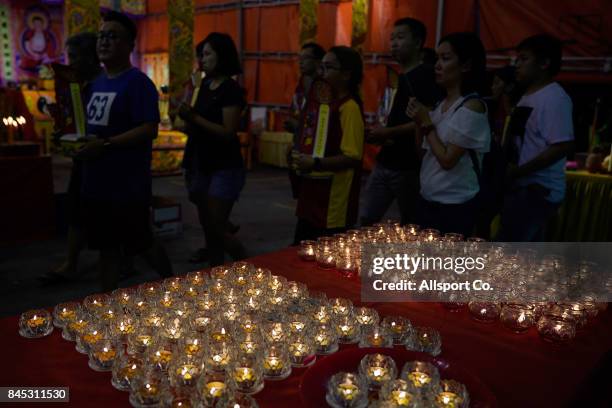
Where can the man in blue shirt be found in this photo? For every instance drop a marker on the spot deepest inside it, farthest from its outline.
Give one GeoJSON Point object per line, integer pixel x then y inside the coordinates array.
{"type": "Point", "coordinates": [122, 113]}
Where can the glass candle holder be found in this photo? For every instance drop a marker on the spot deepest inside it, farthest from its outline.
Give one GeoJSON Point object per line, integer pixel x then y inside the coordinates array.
{"type": "Point", "coordinates": [517, 317]}
{"type": "Point", "coordinates": [107, 315]}
{"type": "Point", "coordinates": [64, 313]}
{"type": "Point", "coordinates": [484, 311]}
{"type": "Point", "coordinates": [123, 326]}
{"type": "Point", "coordinates": [400, 393]}
{"type": "Point", "coordinates": [425, 340]}
{"type": "Point", "coordinates": [453, 394]}
{"type": "Point", "coordinates": [246, 374]}
{"type": "Point", "coordinates": [220, 332]}
{"type": "Point", "coordinates": [92, 334]}
{"type": "Point", "coordinates": [167, 300]}
{"type": "Point", "coordinates": [76, 327]}
{"type": "Point", "coordinates": [35, 324]}
{"type": "Point", "coordinates": [347, 265]}
{"type": "Point", "coordinates": [325, 339]}
{"type": "Point", "coordinates": [346, 390]}
{"type": "Point", "coordinates": [298, 323]}
{"type": "Point", "coordinates": [556, 328]}
{"type": "Point", "coordinates": [218, 356]}
{"type": "Point", "coordinates": [206, 302]}
{"type": "Point", "coordinates": [366, 317]}
{"type": "Point", "coordinates": [249, 343]}
{"type": "Point", "coordinates": [185, 372]}
{"type": "Point", "coordinates": [296, 290]}
{"type": "Point", "coordinates": [249, 323]}
{"type": "Point", "coordinates": [325, 255]}
{"type": "Point", "coordinates": [424, 376]}
{"type": "Point", "coordinates": [301, 351]}
{"type": "Point", "coordinates": [123, 297]}
{"type": "Point", "coordinates": [212, 387]}
{"type": "Point", "coordinates": [150, 290]}
{"type": "Point", "coordinates": [429, 235]}
{"type": "Point", "coordinates": [140, 340]}
{"type": "Point", "coordinates": [196, 279]}
{"type": "Point", "coordinates": [173, 284]}
{"type": "Point", "coordinates": [252, 304]}
{"type": "Point", "coordinates": [277, 283]}
{"type": "Point", "coordinates": [237, 400]}
{"type": "Point", "coordinates": [231, 311]}
{"type": "Point", "coordinates": [161, 356]}
{"type": "Point", "coordinates": [191, 345]}
{"type": "Point", "coordinates": [377, 369]}
{"type": "Point", "coordinates": [126, 369]}
{"type": "Point", "coordinates": [139, 306]}
{"type": "Point", "coordinates": [341, 307]}
{"type": "Point", "coordinates": [172, 329]}
{"type": "Point", "coordinates": [576, 310]}
{"type": "Point", "coordinates": [322, 314]}
{"type": "Point", "coordinates": [202, 320]}
{"type": "Point", "coordinates": [275, 331]}
{"type": "Point", "coordinates": [376, 336]}
{"type": "Point", "coordinates": [261, 276]}
{"type": "Point", "coordinates": [220, 272]}
{"type": "Point", "coordinates": [102, 355]}
{"type": "Point", "coordinates": [347, 329]}
{"type": "Point", "coordinates": [96, 304]}
{"type": "Point", "coordinates": [276, 362]}
{"type": "Point", "coordinates": [399, 327]}
{"type": "Point", "coordinates": [148, 390]}
{"type": "Point", "coordinates": [218, 287]}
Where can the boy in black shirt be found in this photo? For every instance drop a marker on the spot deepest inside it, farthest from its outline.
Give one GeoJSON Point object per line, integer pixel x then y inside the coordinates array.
{"type": "Point", "coordinates": [396, 174]}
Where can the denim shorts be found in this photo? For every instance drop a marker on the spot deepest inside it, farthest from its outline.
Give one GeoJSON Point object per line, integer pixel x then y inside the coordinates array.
{"type": "Point", "coordinates": [225, 184]}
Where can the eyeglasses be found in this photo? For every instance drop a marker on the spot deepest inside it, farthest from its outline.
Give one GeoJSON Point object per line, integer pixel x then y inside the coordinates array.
{"type": "Point", "coordinates": [108, 35]}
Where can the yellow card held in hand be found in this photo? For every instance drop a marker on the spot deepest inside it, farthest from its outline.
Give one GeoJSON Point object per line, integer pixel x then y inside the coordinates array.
{"type": "Point", "coordinates": [77, 106]}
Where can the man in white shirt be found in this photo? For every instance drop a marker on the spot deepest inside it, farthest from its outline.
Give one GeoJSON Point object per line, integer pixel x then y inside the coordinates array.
{"type": "Point", "coordinates": [541, 135]}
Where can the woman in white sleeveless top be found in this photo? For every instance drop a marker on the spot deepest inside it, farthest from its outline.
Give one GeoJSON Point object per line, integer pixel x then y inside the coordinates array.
{"type": "Point", "coordinates": [455, 135]}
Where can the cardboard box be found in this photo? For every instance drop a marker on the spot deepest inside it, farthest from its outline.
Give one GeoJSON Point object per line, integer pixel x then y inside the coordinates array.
{"type": "Point", "coordinates": [273, 148]}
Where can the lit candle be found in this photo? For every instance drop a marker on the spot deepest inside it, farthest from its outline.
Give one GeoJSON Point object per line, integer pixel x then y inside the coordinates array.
{"type": "Point", "coordinates": [401, 397]}
{"type": "Point", "coordinates": [186, 373]}
{"type": "Point", "coordinates": [273, 366]}
{"type": "Point", "coordinates": [193, 347]}
{"type": "Point", "coordinates": [245, 377]}
{"type": "Point", "coordinates": [449, 399]}
{"type": "Point", "coordinates": [215, 389]}
{"type": "Point", "coordinates": [348, 391]}
{"type": "Point", "coordinates": [106, 354]}
{"type": "Point", "coordinates": [419, 379]}
{"type": "Point", "coordinates": [36, 321]}
{"type": "Point", "coordinates": [220, 336]}
{"type": "Point", "coordinates": [378, 374]}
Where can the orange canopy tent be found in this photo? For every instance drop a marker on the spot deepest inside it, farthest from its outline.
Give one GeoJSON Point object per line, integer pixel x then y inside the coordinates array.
{"type": "Point", "coordinates": [267, 33]}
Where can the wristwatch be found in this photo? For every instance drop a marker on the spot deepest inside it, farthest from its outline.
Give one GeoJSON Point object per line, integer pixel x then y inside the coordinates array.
{"type": "Point", "coordinates": [317, 164]}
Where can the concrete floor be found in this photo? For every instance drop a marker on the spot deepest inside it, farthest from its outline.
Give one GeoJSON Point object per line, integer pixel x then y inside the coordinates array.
{"type": "Point", "coordinates": [265, 214]}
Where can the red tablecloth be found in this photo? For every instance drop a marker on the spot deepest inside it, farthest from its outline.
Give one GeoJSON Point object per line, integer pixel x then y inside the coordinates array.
{"type": "Point", "coordinates": [521, 370]}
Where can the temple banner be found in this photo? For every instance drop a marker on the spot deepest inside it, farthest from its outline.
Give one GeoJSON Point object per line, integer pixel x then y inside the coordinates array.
{"type": "Point", "coordinates": [81, 16]}
{"type": "Point", "coordinates": [308, 20]}
{"type": "Point", "coordinates": [180, 15]}
{"type": "Point", "coordinates": [360, 23]}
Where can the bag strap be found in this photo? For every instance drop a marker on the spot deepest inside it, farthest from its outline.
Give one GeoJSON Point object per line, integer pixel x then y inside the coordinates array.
{"type": "Point", "coordinates": [471, 152]}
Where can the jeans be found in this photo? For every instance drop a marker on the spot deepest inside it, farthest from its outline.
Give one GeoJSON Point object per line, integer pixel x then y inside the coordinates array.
{"type": "Point", "coordinates": [383, 186]}
{"type": "Point", "coordinates": [525, 214]}
{"type": "Point", "coordinates": [457, 218]}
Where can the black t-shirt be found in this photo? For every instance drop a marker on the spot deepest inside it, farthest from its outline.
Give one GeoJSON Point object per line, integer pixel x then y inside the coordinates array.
{"type": "Point", "coordinates": [401, 152]}
{"type": "Point", "coordinates": [208, 152]}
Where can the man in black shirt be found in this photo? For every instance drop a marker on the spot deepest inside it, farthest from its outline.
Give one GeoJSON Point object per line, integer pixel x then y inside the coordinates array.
{"type": "Point", "coordinates": [396, 174]}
